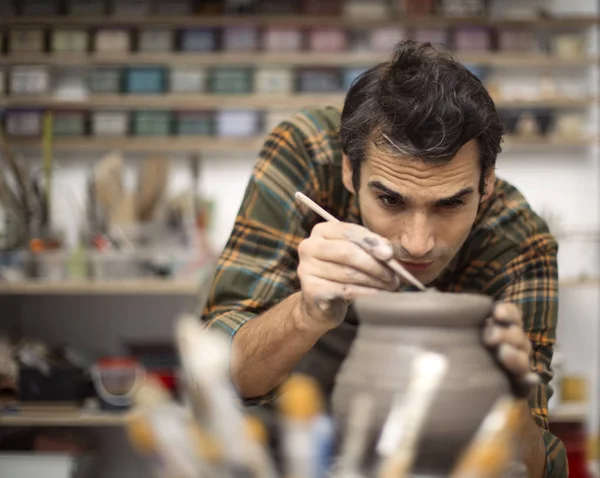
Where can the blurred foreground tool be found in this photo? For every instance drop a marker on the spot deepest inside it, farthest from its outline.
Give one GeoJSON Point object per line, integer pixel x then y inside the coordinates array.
{"type": "Point", "coordinates": [400, 436]}
{"type": "Point", "coordinates": [306, 433]}
{"type": "Point", "coordinates": [494, 447]}
{"type": "Point", "coordinates": [205, 359]}
{"type": "Point", "coordinates": [153, 177]}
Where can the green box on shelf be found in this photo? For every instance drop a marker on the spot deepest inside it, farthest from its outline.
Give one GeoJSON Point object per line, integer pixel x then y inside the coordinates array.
{"type": "Point", "coordinates": [231, 80]}
{"type": "Point", "coordinates": [146, 80]}
{"type": "Point", "coordinates": [68, 123]}
{"type": "Point", "coordinates": [152, 123]}
{"type": "Point", "coordinates": [105, 80]}
{"type": "Point", "coordinates": [194, 123]}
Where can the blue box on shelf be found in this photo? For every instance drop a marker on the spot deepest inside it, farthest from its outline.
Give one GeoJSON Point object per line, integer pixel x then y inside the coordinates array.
{"type": "Point", "coordinates": [199, 40]}
{"type": "Point", "coordinates": [145, 80]}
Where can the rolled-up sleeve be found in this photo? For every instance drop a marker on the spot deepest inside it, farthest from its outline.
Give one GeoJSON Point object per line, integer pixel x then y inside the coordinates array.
{"type": "Point", "coordinates": [257, 267]}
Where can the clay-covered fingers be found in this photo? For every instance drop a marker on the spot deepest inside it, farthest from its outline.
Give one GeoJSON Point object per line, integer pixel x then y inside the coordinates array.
{"type": "Point", "coordinates": [374, 244]}
{"type": "Point", "coordinates": [327, 293]}
{"type": "Point", "coordinates": [513, 335]}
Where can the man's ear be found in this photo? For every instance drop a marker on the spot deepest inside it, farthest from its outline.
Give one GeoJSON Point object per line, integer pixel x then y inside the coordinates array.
{"type": "Point", "coordinates": [490, 180]}
{"type": "Point", "coordinates": [347, 174]}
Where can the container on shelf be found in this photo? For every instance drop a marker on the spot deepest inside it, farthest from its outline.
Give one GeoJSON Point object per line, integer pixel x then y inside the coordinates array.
{"type": "Point", "coordinates": [568, 45]}
{"type": "Point", "coordinates": [416, 7]}
{"type": "Point", "coordinates": [273, 80]}
{"type": "Point", "coordinates": [105, 80]}
{"type": "Point", "coordinates": [109, 123]}
{"type": "Point", "coordinates": [26, 40]}
{"type": "Point", "coordinates": [29, 80]}
{"type": "Point", "coordinates": [384, 39]}
{"type": "Point", "coordinates": [282, 39]}
{"type": "Point", "coordinates": [327, 39]}
{"type": "Point", "coordinates": [156, 40]}
{"type": "Point", "coordinates": [112, 40]}
{"type": "Point", "coordinates": [23, 122]}
{"type": "Point", "coordinates": [39, 7]}
{"type": "Point", "coordinates": [152, 123]}
{"type": "Point", "coordinates": [569, 125]}
{"type": "Point", "coordinates": [240, 38]}
{"type": "Point", "coordinates": [68, 123]}
{"type": "Point", "coordinates": [472, 39]}
{"type": "Point", "coordinates": [187, 80]}
{"type": "Point", "coordinates": [366, 9]}
{"type": "Point", "coordinates": [199, 40]}
{"type": "Point", "coordinates": [69, 40]}
{"type": "Point", "coordinates": [462, 8]}
{"type": "Point", "coordinates": [145, 80]}
{"type": "Point", "coordinates": [116, 380]}
{"type": "Point", "coordinates": [131, 7]}
{"type": "Point", "coordinates": [194, 123]}
{"type": "Point", "coordinates": [434, 35]}
{"type": "Point", "coordinates": [173, 7]}
{"type": "Point", "coordinates": [517, 40]}
{"type": "Point", "coordinates": [351, 74]}
{"type": "Point", "coordinates": [237, 123]}
{"type": "Point", "coordinates": [230, 80]}
{"type": "Point", "coordinates": [319, 80]}
{"type": "Point", "coordinates": [322, 7]}
{"type": "Point", "coordinates": [86, 7]}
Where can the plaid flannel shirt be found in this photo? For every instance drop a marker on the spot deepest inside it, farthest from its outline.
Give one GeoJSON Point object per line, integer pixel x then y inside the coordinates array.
{"type": "Point", "coordinates": [509, 255]}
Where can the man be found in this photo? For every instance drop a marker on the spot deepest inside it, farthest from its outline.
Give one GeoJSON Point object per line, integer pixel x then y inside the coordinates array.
{"type": "Point", "coordinates": [408, 167]}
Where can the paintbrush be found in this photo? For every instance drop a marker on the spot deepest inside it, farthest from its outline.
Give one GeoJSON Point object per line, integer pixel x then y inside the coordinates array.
{"type": "Point", "coordinates": [493, 448]}
{"type": "Point", "coordinates": [402, 430]}
{"type": "Point", "coordinates": [391, 263]}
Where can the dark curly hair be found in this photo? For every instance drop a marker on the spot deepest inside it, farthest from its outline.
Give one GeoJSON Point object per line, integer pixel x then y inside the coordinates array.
{"type": "Point", "coordinates": [425, 102]}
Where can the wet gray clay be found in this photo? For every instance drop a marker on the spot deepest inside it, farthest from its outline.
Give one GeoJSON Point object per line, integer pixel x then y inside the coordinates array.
{"type": "Point", "coordinates": [393, 328]}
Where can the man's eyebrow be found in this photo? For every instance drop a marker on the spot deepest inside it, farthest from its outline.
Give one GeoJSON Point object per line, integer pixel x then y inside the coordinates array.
{"type": "Point", "coordinates": [455, 197]}
{"type": "Point", "coordinates": [384, 189]}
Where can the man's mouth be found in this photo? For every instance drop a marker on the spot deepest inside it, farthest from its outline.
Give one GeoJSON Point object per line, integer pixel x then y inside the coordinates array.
{"type": "Point", "coordinates": [416, 266]}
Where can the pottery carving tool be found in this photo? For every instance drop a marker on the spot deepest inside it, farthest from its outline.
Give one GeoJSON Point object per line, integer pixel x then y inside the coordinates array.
{"type": "Point", "coordinates": [402, 430]}
{"type": "Point", "coordinates": [392, 263]}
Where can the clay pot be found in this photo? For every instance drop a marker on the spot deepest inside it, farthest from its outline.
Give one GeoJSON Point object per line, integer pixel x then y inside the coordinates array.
{"type": "Point", "coordinates": [394, 327]}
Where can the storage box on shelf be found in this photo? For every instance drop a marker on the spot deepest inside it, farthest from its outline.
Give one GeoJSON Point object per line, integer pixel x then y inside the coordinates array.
{"type": "Point", "coordinates": [472, 39]}
{"type": "Point", "coordinates": [181, 7]}
{"type": "Point", "coordinates": [29, 80]}
{"type": "Point", "coordinates": [240, 38]}
{"type": "Point", "coordinates": [86, 7]}
{"type": "Point", "coordinates": [366, 9]}
{"type": "Point", "coordinates": [199, 40]}
{"type": "Point", "coordinates": [238, 123]}
{"type": "Point", "coordinates": [23, 122]}
{"type": "Point", "coordinates": [319, 80]}
{"type": "Point", "coordinates": [194, 123]}
{"type": "Point", "coordinates": [112, 40]}
{"type": "Point", "coordinates": [156, 40]}
{"type": "Point", "coordinates": [327, 39]}
{"type": "Point", "coordinates": [38, 7]}
{"type": "Point", "coordinates": [26, 40]}
{"type": "Point", "coordinates": [152, 123]}
{"type": "Point", "coordinates": [273, 80]}
{"type": "Point", "coordinates": [280, 39]}
{"type": "Point", "coordinates": [110, 123]}
{"type": "Point", "coordinates": [383, 39]}
{"type": "Point", "coordinates": [187, 80]}
{"type": "Point", "coordinates": [69, 41]}
{"type": "Point", "coordinates": [105, 80]}
{"type": "Point", "coordinates": [230, 80]}
{"type": "Point", "coordinates": [69, 123]}
{"type": "Point", "coordinates": [131, 8]}
{"type": "Point", "coordinates": [145, 80]}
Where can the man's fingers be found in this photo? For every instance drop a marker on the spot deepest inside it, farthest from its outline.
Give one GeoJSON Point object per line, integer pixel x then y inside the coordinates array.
{"type": "Point", "coordinates": [495, 335]}
{"type": "Point", "coordinates": [507, 313]}
{"type": "Point", "coordinates": [345, 292]}
{"type": "Point", "coordinates": [349, 254]}
{"type": "Point", "coordinates": [514, 360]}
{"type": "Point", "coordinates": [344, 274]}
{"type": "Point", "coordinates": [374, 244]}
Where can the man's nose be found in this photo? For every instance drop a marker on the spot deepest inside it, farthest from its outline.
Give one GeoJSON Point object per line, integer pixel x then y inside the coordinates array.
{"type": "Point", "coordinates": [417, 239]}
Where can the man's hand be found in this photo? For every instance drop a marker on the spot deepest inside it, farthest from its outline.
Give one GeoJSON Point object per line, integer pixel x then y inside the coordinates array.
{"type": "Point", "coordinates": [338, 262]}
{"type": "Point", "coordinates": [504, 334]}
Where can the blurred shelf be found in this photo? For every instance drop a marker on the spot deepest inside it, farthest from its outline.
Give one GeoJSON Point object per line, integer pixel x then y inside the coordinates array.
{"type": "Point", "coordinates": [357, 59]}
{"type": "Point", "coordinates": [233, 145]}
{"type": "Point", "coordinates": [260, 101]}
{"type": "Point", "coordinates": [197, 20]}
{"type": "Point", "coordinates": [579, 281]}
{"type": "Point", "coordinates": [117, 287]}
{"type": "Point", "coordinates": [570, 412]}
{"type": "Point", "coordinates": [64, 419]}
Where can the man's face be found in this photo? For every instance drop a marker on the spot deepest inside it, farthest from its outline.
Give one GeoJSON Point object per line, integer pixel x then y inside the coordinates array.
{"type": "Point", "coordinates": [426, 211]}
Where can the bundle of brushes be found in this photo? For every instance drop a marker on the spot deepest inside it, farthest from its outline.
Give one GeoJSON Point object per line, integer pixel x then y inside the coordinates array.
{"type": "Point", "coordinates": [213, 436]}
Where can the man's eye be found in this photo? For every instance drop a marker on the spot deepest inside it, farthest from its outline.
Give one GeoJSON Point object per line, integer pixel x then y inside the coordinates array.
{"type": "Point", "coordinates": [388, 201]}
{"type": "Point", "coordinates": [453, 204]}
